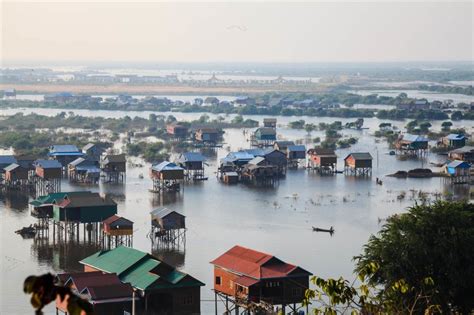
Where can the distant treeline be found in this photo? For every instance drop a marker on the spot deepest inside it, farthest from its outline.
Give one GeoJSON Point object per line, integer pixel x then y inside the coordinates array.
{"type": "Point", "coordinates": [466, 90]}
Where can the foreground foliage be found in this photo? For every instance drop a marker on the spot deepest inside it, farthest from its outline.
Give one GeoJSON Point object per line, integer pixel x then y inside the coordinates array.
{"type": "Point", "coordinates": [44, 290]}
{"type": "Point", "coordinates": [421, 262]}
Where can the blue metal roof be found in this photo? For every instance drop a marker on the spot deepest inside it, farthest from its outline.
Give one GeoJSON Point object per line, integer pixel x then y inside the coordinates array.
{"type": "Point", "coordinates": [11, 167]}
{"type": "Point", "coordinates": [239, 155]}
{"type": "Point", "coordinates": [48, 164]}
{"type": "Point", "coordinates": [255, 152]}
{"type": "Point", "coordinates": [454, 136]}
{"type": "Point", "coordinates": [7, 159]}
{"type": "Point", "coordinates": [166, 166]}
{"type": "Point", "coordinates": [459, 164]}
{"type": "Point", "coordinates": [64, 149]}
{"type": "Point", "coordinates": [294, 148]}
{"type": "Point", "coordinates": [88, 168]}
{"type": "Point", "coordinates": [191, 157]}
{"type": "Point", "coordinates": [414, 138]}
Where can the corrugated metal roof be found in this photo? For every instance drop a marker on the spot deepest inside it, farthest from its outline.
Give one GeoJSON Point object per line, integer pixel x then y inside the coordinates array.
{"type": "Point", "coordinates": [360, 156]}
{"type": "Point", "coordinates": [191, 157]}
{"type": "Point", "coordinates": [139, 269]}
{"type": "Point", "coordinates": [465, 149]}
{"type": "Point", "coordinates": [163, 212]}
{"type": "Point", "coordinates": [257, 160]}
{"type": "Point", "coordinates": [48, 164]}
{"type": "Point", "coordinates": [413, 138]}
{"type": "Point", "coordinates": [454, 136]}
{"type": "Point", "coordinates": [239, 155]}
{"type": "Point", "coordinates": [77, 161]}
{"type": "Point", "coordinates": [11, 167]}
{"type": "Point", "coordinates": [246, 281]}
{"type": "Point", "coordinates": [253, 264]}
{"type": "Point", "coordinates": [117, 220]}
{"type": "Point", "coordinates": [64, 148]}
{"type": "Point", "coordinates": [49, 199]}
{"type": "Point", "coordinates": [139, 274]}
{"type": "Point", "coordinates": [7, 159]}
{"type": "Point", "coordinates": [116, 260]}
{"type": "Point", "coordinates": [459, 164]}
{"type": "Point", "coordinates": [284, 143]}
{"type": "Point", "coordinates": [88, 146]}
{"type": "Point", "coordinates": [86, 199]}
{"type": "Point", "coordinates": [322, 152]}
{"type": "Point", "coordinates": [296, 148]}
{"type": "Point", "coordinates": [166, 166]}
{"type": "Point", "coordinates": [255, 152]}
{"type": "Point", "coordinates": [111, 291]}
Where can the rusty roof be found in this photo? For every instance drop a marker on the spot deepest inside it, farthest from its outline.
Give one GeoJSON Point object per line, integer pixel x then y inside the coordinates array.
{"type": "Point", "coordinates": [257, 265]}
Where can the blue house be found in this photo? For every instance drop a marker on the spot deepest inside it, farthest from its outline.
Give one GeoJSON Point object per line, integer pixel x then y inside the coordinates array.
{"type": "Point", "coordinates": [64, 153]}
{"type": "Point", "coordinates": [454, 141]}
{"type": "Point", "coordinates": [6, 160]}
{"type": "Point", "coordinates": [458, 168]}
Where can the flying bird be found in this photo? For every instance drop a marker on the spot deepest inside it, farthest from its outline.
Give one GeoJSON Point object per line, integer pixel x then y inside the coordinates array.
{"type": "Point", "coordinates": [241, 28]}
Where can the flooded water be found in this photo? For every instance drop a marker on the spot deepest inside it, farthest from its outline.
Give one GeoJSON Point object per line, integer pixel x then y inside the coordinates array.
{"type": "Point", "coordinates": [276, 220]}
{"type": "Point", "coordinates": [430, 96]}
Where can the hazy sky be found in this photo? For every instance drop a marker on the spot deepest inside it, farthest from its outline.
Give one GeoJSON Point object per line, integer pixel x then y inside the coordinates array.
{"type": "Point", "coordinates": [237, 32]}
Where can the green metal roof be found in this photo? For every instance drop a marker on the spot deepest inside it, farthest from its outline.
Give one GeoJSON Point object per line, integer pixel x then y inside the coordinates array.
{"type": "Point", "coordinates": [140, 276]}
{"type": "Point", "coordinates": [174, 276]}
{"type": "Point", "coordinates": [48, 198]}
{"type": "Point", "coordinates": [117, 260]}
{"type": "Point", "coordinates": [139, 269]}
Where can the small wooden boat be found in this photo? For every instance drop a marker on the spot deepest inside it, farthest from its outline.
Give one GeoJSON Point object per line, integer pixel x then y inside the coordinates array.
{"type": "Point", "coordinates": [330, 230]}
{"type": "Point", "coordinates": [28, 231]}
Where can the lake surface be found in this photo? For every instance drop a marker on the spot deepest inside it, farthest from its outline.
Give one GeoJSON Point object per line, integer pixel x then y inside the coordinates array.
{"type": "Point", "coordinates": [276, 220]}
{"type": "Point", "coordinates": [430, 96]}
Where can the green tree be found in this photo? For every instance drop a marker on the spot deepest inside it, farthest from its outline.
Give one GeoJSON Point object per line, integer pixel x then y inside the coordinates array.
{"type": "Point", "coordinates": [457, 115]}
{"type": "Point", "coordinates": [237, 119]}
{"type": "Point", "coordinates": [309, 127]}
{"type": "Point", "coordinates": [446, 125]}
{"type": "Point", "coordinates": [433, 241]}
{"type": "Point", "coordinates": [425, 126]}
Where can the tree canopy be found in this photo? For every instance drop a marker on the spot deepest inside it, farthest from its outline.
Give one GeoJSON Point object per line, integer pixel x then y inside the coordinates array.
{"type": "Point", "coordinates": [435, 241]}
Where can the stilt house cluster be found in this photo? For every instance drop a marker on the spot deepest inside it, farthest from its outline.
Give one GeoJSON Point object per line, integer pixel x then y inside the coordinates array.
{"type": "Point", "coordinates": [159, 287]}
{"type": "Point", "coordinates": [253, 165]}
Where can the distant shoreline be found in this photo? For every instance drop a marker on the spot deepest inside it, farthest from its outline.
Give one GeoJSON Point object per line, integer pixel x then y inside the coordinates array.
{"type": "Point", "coordinates": [156, 89]}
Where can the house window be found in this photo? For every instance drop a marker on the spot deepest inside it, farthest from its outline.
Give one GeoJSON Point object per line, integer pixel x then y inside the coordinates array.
{"type": "Point", "coordinates": [218, 280]}
{"type": "Point", "coordinates": [188, 300]}
{"type": "Point", "coordinates": [273, 284]}
{"type": "Point", "coordinates": [231, 284]}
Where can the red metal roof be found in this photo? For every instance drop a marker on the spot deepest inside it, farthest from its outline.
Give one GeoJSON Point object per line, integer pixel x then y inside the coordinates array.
{"type": "Point", "coordinates": [83, 279]}
{"type": "Point", "coordinates": [254, 264]}
{"type": "Point", "coordinates": [245, 281]}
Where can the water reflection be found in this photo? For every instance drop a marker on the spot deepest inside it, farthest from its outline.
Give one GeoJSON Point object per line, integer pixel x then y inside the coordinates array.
{"type": "Point", "coordinates": [172, 256]}
{"type": "Point", "coordinates": [16, 200]}
{"type": "Point", "coordinates": [62, 255]}
{"type": "Point", "coordinates": [163, 199]}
